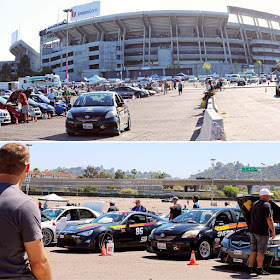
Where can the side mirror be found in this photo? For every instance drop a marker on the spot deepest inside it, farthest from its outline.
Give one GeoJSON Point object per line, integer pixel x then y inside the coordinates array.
{"type": "Point", "coordinates": [121, 104]}
{"type": "Point", "coordinates": [63, 219]}
{"type": "Point", "coordinates": [130, 222]}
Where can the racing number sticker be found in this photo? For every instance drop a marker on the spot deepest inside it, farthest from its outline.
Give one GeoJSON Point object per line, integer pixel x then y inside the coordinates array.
{"type": "Point", "coordinates": [139, 231]}
{"type": "Point", "coordinates": [223, 233]}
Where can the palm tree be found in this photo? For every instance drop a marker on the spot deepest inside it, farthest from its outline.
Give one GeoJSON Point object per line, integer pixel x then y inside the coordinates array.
{"type": "Point", "coordinates": [134, 172]}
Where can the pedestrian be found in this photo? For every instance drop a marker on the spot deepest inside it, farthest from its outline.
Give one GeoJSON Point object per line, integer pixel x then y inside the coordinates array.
{"type": "Point", "coordinates": [22, 254]}
{"type": "Point", "coordinates": [45, 205]}
{"type": "Point", "coordinates": [112, 207]}
{"type": "Point", "coordinates": [165, 87]}
{"type": "Point", "coordinates": [176, 209]}
{"type": "Point", "coordinates": [46, 91]}
{"type": "Point", "coordinates": [138, 206]}
{"type": "Point", "coordinates": [24, 104]}
{"type": "Point", "coordinates": [210, 92]}
{"type": "Point", "coordinates": [51, 97]}
{"type": "Point", "coordinates": [40, 205]}
{"type": "Point", "coordinates": [188, 202]}
{"type": "Point", "coordinates": [180, 88]}
{"type": "Point", "coordinates": [226, 204]}
{"type": "Point", "coordinates": [261, 222]}
{"type": "Point", "coordinates": [195, 201]}
{"type": "Point", "coordinates": [174, 84]}
{"type": "Point", "coordinates": [185, 207]}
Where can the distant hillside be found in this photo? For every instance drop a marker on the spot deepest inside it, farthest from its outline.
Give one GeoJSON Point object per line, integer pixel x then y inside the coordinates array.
{"type": "Point", "coordinates": [79, 171]}
{"type": "Point", "coordinates": [228, 171]}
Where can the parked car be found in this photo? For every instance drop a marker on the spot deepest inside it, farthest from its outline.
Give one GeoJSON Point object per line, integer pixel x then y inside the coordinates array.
{"type": "Point", "coordinates": [262, 79]}
{"type": "Point", "coordinates": [253, 79]}
{"type": "Point", "coordinates": [241, 82]}
{"type": "Point", "coordinates": [130, 92]}
{"type": "Point", "coordinates": [13, 110]}
{"type": "Point", "coordinates": [5, 117]}
{"type": "Point", "coordinates": [45, 108]}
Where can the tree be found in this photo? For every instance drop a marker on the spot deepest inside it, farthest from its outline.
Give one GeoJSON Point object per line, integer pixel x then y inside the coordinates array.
{"type": "Point", "coordinates": [119, 174]}
{"type": "Point", "coordinates": [36, 170]}
{"type": "Point", "coordinates": [105, 175]}
{"type": "Point", "coordinates": [6, 72]}
{"type": "Point", "coordinates": [134, 172]}
{"type": "Point", "coordinates": [91, 172]}
{"type": "Point", "coordinates": [206, 66]}
{"type": "Point", "coordinates": [257, 65]}
{"type": "Point", "coordinates": [24, 66]}
{"type": "Point", "coordinates": [231, 191]}
{"type": "Point", "coordinates": [158, 175]}
{"type": "Point", "coordinates": [278, 64]}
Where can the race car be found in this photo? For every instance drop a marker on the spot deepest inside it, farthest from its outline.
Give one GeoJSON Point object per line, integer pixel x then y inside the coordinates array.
{"type": "Point", "coordinates": [5, 117]}
{"type": "Point", "coordinates": [125, 229]}
{"type": "Point", "coordinates": [201, 230]}
{"type": "Point", "coordinates": [236, 246]}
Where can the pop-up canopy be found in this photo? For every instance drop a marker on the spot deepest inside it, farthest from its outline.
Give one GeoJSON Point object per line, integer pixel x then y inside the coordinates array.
{"type": "Point", "coordinates": [53, 197]}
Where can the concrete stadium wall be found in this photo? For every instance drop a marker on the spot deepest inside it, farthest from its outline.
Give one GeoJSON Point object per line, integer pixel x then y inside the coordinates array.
{"type": "Point", "coordinates": [213, 126]}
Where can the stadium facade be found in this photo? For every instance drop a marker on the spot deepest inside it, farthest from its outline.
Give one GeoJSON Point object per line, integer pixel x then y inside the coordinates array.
{"type": "Point", "coordinates": [163, 42]}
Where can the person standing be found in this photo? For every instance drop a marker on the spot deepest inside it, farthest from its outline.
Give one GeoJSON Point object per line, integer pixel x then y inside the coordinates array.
{"type": "Point", "coordinates": [174, 84]}
{"type": "Point", "coordinates": [176, 209]}
{"type": "Point", "coordinates": [261, 222]}
{"type": "Point", "coordinates": [210, 92]}
{"type": "Point", "coordinates": [195, 201]}
{"type": "Point", "coordinates": [139, 206]}
{"type": "Point", "coordinates": [165, 87]}
{"type": "Point", "coordinates": [51, 97]}
{"type": "Point", "coordinates": [24, 104]}
{"type": "Point", "coordinates": [180, 88]}
{"type": "Point", "coordinates": [45, 205]}
{"type": "Point", "coordinates": [112, 207]}
{"type": "Point", "coordinates": [22, 254]}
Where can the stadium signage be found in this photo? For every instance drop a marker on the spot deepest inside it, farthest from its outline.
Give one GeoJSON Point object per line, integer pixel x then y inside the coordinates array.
{"type": "Point", "coordinates": [85, 11]}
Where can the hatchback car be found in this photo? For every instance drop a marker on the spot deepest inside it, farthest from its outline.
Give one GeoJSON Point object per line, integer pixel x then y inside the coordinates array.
{"type": "Point", "coordinates": [130, 92]}
{"type": "Point", "coordinates": [98, 112]}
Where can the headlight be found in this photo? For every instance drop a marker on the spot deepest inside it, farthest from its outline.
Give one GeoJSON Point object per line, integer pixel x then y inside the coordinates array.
{"type": "Point", "coordinates": [85, 233]}
{"type": "Point", "coordinates": [1, 114]}
{"type": "Point", "coordinates": [69, 115]}
{"type": "Point", "coordinates": [111, 114]}
{"type": "Point", "coordinates": [152, 232]}
{"type": "Point", "coordinates": [190, 234]}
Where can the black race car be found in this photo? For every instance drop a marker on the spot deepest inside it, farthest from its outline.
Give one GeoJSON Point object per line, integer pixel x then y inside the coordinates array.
{"type": "Point", "coordinates": [98, 112]}
{"type": "Point", "coordinates": [201, 230]}
{"type": "Point", "coordinates": [236, 246]}
{"type": "Point", "coordinates": [125, 229]}
{"type": "Point", "coordinates": [130, 92]}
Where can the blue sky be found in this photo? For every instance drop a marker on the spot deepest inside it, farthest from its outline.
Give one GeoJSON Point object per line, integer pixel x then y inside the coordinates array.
{"type": "Point", "coordinates": [178, 159]}
{"type": "Point", "coordinates": [31, 16]}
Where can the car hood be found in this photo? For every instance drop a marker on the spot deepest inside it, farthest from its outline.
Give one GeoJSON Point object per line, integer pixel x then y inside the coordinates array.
{"type": "Point", "coordinates": [96, 111]}
{"type": "Point", "coordinates": [85, 227]}
{"type": "Point", "coordinates": [246, 202]}
{"type": "Point", "coordinates": [176, 228]}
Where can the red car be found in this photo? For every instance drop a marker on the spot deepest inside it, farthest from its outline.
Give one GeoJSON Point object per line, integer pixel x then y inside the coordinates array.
{"type": "Point", "coordinates": [12, 109]}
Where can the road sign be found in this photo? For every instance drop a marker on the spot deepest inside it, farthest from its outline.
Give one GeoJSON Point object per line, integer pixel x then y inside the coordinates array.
{"type": "Point", "coordinates": [249, 169]}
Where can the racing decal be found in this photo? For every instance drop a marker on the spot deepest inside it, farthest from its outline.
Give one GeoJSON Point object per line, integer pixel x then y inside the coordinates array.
{"type": "Point", "coordinates": [142, 225]}
{"type": "Point", "coordinates": [139, 231]}
{"type": "Point", "coordinates": [118, 227]}
{"type": "Point", "coordinates": [87, 226]}
{"type": "Point", "coordinates": [230, 226]}
{"type": "Point", "coordinates": [223, 233]}
{"type": "Point", "coordinates": [144, 239]}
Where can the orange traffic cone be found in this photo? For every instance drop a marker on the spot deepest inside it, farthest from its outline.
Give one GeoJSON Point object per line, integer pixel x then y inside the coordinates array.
{"type": "Point", "coordinates": [265, 90]}
{"type": "Point", "coordinates": [103, 251]}
{"type": "Point", "coordinates": [16, 120]}
{"type": "Point", "coordinates": [193, 260]}
{"type": "Point", "coordinates": [63, 114]}
{"type": "Point", "coordinates": [36, 118]}
{"type": "Point", "coordinates": [49, 116]}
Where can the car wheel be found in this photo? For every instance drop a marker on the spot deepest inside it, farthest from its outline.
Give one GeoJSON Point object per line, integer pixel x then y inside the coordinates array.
{"type": "Point", "coordinates": [71, 134]}
{"type": "Point", "coordinates": [103, 238]}
{"type": "Point", "coordinates": [138, 95]}
{"type": "Point", "coordinates": [204, 249]}
{"type": "Point", "coordinates": [128, 125]}
{"type": "Point", "coordinates": [47, 236]}
{"type": "Point", "coordinates": [118, 129]}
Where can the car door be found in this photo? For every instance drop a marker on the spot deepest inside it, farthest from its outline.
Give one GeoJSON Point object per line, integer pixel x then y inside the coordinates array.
{"type": "Point", "coordinates": [60, 225]}
{"type": "Point", "coordinates": [225, 223]}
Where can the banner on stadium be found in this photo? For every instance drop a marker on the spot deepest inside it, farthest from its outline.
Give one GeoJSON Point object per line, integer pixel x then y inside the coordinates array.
{"type": "Point", "coordinates": [85, 11]}
{"type": "Point", "coordinates": [14, 37]}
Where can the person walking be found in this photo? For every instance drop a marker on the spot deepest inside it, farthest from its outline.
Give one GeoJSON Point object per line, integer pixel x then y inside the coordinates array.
{"type": "Point", "coordinates": [24, 104]}
{"type": "Point", "coordinates": [112, 207]}
{"type": "Point", "coordinates": [261, 222]}
{"type": "Point", "coordinates": [22, 254]}
{"type": "Point", "coordinates": [51, 97]}
{"type": "Point", "coordinates": [139, 206]}
{"type": "Point", "coordinates": [195, 201]}
{"type": "Point", "coordinates": [180, 88]}
{"type": "Point", "coordinates": [174, 84]}
{"type": "Point", "coordinates": [165, 87]}
{"type": "Point", "coordinates": [176, 209]}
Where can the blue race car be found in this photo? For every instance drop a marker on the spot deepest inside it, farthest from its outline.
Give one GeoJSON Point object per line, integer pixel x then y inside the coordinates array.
{"type": "Point", "coordinates": [45, 108]}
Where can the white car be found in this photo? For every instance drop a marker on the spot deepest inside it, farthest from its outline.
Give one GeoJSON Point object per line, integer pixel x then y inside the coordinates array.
{"type": "Point", "coordinates": [55, 219]}
{"type": "Point", "coordinates": [5, 116]}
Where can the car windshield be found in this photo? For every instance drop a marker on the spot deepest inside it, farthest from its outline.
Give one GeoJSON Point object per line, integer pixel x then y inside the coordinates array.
{"type": "Point", "coordinates": [195, 216]}
{"type": "Point", "coordinates": [3, 100]}
{"type": "Point", "coordinates": [31, 101]}
{"type": "Point", "coordinates": [111, 218]}
{"type": "Point", "coordinates": [96, 99]}
{"type": "Point", "coordinates": [44, 98]}
{"type": "Point", "coordinates": [52, 213]}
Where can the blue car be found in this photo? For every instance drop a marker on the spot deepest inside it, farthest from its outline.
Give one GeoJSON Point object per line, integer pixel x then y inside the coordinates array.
{"type": "Point", "coordinates": [60, 107]}
{"type": "Point", "coordinates": [45, 108]}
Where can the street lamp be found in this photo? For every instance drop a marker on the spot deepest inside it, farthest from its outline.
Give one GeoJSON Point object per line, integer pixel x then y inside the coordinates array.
{"type": "Point", "coordinates": [213, 166]}
{"type": "Point", "coordinates": [28, 146]}
{"type": "Point", "coordinates": [67, 34]}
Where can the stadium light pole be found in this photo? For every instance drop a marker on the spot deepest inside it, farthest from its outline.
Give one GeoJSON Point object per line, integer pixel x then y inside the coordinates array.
{"type": "Point", "coordinates": [67, 34]}
{"type": "Point", "coordinates": [213, 166]}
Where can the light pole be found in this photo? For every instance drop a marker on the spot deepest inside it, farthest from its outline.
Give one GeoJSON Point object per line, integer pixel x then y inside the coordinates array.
{"type": "Point", "coordinates": [28, 146]}
{"type": "Point", "coordinates": [263, 165]}
{"type": "Point", "coordinates": [213, 166]}
{"type": "Point", "coordinates": [67, 33]}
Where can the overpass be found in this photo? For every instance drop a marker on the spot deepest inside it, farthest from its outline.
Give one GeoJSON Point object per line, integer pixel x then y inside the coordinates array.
{"type": "Point", "coordinates": [146, 184]}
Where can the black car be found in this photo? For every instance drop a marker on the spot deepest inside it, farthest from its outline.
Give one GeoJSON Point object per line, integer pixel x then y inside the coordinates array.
{"type": "Point", "coordinates": [98, 112]}
{"type": "Point", "coordinates": [241, 82]}
{"type": "Point", "coordinates": [130, 92]}
{"type": "Point", "coordinates": [277, 88]}
{"type": "Point", "coordinates": [125, 229]}
{"type": "Point", "coordinates": [201, 230]}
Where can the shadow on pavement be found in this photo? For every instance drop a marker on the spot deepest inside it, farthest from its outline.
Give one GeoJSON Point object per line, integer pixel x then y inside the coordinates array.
{"type": "Point", "coordinates": [65, 137]}
{"type": "Point", "coordinates": [166, 258]}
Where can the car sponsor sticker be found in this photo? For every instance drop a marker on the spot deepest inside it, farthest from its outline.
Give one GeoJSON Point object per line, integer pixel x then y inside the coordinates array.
{"type": "Point", "coordinates": [224, 233]}
{"type": "Point", "coordinates": [161, 246]}
{"type": "Point", "coordinates": [237, 260]}
{"type": "Point", "coordinates": [61, 236]}
{"type": "Point", "coordinates": [237, 252]}
{"type": "Point", "coordinates": [144, 239]}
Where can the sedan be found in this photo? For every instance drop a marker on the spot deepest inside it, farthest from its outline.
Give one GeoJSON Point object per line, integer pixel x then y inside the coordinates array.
{"type": "Point", "coordinates": [13, 109]}
{"type": "Point", "coordinates": [5, 117]}
{"type": "Point", "coordinates": [130, 92]}
{"type": "Point", "coordinates": [125, 229]}
{"type": "Point", "coordinates": [45, 108]}
{"type": "Point", "coordinates": [98, 112]}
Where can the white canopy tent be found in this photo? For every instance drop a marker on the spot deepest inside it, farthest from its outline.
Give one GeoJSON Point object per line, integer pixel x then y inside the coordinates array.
{"type": "Point", "coordinates": [96, 79]}
{"type": "Point", "coordinates": [53, 197]}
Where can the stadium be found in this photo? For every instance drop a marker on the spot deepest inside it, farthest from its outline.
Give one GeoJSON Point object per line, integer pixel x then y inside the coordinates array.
{"type": "Point", "coordinates": [164, 43]}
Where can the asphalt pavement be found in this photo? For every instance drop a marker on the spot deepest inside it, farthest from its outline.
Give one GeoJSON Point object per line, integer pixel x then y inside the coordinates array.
{"type": "Point", "coordinates": [140, 265]}
{"type": "Point", "coordinates": [156, 118]}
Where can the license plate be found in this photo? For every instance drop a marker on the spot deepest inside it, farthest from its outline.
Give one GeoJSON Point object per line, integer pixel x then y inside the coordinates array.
{"type": "Point", "coordinates": [237, 260]}
{"type": "Point", "coordinates": [61, 236]}
{"type": "Point", "coordinates": [87, 126]}
{"type": "Point", "coordinates": [161, 246]}
{"type": "Point", "coordinates": [237, 252]}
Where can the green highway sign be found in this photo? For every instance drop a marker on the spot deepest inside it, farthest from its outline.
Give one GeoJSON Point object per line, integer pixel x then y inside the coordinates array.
{"type": "Point", "coordinates": [249, 169]}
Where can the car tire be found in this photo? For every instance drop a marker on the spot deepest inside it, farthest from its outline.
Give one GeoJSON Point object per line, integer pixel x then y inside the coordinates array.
{"type": "Point", "coordinates": [103, 239]}
{"type": "Point", "coordinates": [128, 125]}
{"type": "Point", "coordinates": [47, 236]}
{"type": "Point", "coordinates": [204, 249]}
{"type": "Point", "coordinates": [71, 133]}
{"type": "Point", "coordinates": [118, 133]}
{"type": "Point", "coordinates": [138, 95]}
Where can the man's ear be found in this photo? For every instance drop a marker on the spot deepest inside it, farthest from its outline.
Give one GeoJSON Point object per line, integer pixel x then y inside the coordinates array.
{"type": "Point", "coordinates": [27, 168]}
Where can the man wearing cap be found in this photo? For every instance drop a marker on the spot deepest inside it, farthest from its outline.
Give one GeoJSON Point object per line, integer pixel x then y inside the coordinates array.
{"type": "Point", "coordinates": [176, 209]}
{"type": "Point", "coordinates": [112, 207]}
{"type": "Point", "coordinates": [139, 206]}
{"type": "Point", "coordinates": [261, 222]}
